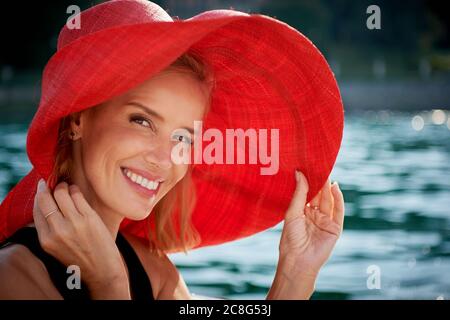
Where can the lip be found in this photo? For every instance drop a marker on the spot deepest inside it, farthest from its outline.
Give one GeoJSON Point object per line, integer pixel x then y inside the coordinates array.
{"type": "Point", "coordinates": [140, 189]}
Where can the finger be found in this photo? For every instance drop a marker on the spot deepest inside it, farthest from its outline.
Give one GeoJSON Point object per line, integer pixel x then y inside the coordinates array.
{"type": "Point", "coordinates": [339, 209]}
{"type": "Point", "coordinates": [65, 201]}
{"type": "Point", "coordinates": [297, 205]}
{"type": "Point", "coordinates": [326, 201]}
{"type": "Point", "coordinates": [46, 204]}
{"type": "Point", "coordinates": [39, 220]}
{"type": "Point", "coordinates": [80, 201]}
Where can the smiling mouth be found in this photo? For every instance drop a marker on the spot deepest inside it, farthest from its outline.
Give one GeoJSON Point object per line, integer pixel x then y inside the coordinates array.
{"type": "Point", "coordinates": [143, 186]}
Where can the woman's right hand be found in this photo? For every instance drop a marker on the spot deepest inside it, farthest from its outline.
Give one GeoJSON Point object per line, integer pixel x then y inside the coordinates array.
{"type": "Point", "coordinates": [76, 235]}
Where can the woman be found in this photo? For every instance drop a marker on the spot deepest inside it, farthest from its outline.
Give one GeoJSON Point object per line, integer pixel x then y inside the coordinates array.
{"type": "Point", "coordinates": [118, 98]}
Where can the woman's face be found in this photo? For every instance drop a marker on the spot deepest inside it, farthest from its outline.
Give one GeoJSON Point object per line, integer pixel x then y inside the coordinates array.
{"type": "Point", "coordinates": [131, 137]}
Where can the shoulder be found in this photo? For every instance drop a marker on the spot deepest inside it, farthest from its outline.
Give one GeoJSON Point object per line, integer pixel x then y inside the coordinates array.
{"type": "Point", "coordinates": [23, 275]}
{"type": "Point", "coordinates": [167, 282]}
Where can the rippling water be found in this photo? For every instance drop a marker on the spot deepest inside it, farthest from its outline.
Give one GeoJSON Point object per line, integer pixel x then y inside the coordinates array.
{"type": "Point", "coordinates": [397, 190]}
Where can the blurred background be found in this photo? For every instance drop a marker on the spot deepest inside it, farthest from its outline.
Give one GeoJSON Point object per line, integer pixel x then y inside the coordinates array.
{"type": "Point", "coordinates": [394, 165]}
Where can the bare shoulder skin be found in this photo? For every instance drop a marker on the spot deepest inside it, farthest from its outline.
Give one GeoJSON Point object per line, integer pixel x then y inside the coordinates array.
{"type": "Point", "coordinates": [23, 276]}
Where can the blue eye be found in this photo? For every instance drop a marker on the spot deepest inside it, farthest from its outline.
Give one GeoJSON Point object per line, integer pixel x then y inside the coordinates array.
{"type": "Point", "coordinates": [184, 139]}
{"type": "Point", "coordinates": [141, 120]}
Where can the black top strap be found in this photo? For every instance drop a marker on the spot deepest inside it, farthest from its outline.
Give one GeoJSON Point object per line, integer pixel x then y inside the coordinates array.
{"type": "Point", "coordinates": [141, 288]}
{"type": "Point", "coordinates": [139, 282]}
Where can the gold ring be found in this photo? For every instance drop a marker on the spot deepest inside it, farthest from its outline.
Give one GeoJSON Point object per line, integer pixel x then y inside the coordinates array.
{"type": "Point", "coordinates": [50, 213]}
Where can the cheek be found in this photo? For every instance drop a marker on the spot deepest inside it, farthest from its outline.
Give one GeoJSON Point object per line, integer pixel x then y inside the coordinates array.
{"type": "Point", "coordinates": [178, 172]}
{"type": "Point", "coordinates": [103, 151]}
{"type": "Point", "coordinates": [98, 144]}
{"type": "Point", "coordinates": [124, 140]}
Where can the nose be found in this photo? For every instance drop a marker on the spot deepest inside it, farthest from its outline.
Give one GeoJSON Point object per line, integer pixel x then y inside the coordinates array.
{"type": "Point", "coordinates": [159, 155]}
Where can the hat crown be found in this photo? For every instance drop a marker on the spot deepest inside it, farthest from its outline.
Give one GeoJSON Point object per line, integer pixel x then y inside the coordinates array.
{"type": "Point", "coordinates": [112, 14]}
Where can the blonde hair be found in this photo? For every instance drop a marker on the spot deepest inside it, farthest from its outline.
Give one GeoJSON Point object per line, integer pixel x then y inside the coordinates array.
{"type": "Point", "coordinates": [173, 226]}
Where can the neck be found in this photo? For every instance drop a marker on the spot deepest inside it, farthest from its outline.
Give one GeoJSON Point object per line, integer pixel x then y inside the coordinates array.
{"type": "Point", "coordinates": [110, 218]}
{"type": "Point", "coordinates": [111, 221]}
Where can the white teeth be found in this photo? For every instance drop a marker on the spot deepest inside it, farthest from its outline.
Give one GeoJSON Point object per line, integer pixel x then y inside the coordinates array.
{"type": "Point", "coordinates": [151, 185]}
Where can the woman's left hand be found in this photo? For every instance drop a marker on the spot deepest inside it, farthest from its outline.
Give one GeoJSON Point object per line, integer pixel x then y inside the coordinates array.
{"type": "Point", "coordinates": [309, 235]}
{"type": "Point", "coordinates": [311, 230]}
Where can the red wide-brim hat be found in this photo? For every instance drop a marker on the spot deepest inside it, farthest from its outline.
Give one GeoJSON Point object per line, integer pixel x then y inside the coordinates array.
{"type": "Point", "coordinates": [268, 76]}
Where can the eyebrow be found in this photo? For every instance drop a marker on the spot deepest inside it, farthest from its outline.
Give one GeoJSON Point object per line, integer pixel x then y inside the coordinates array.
{"type": "Point", "coordinates": [155, 114]}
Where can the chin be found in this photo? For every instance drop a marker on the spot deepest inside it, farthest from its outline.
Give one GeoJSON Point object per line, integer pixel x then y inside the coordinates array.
{"type": "Point", "coordinates": [138, 214]}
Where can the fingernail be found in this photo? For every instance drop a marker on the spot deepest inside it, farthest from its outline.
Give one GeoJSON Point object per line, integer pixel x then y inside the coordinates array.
{"type": "Point", "coordinates": [41, 184]}
{"type": "Point", "coordinates": [297, 175]}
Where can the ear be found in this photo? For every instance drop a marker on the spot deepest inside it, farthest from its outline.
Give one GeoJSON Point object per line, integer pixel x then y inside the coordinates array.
{"type": "Point", "coordinates": [76, 125]}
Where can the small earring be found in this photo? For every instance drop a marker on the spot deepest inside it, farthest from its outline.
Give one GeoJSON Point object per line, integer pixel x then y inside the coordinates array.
{"type": "Point", "coordinates": [72, 135]}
